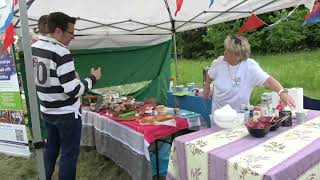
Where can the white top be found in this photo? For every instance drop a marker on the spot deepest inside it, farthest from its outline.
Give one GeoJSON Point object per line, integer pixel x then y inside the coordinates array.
{"type": "Point", "coordinates": [233, 84]}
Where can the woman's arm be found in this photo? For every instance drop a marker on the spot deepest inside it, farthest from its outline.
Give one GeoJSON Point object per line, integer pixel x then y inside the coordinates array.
{"type": "Point", "coordinates": [277, 87]}
{"type": "Point", "coordinates": [206, 88]}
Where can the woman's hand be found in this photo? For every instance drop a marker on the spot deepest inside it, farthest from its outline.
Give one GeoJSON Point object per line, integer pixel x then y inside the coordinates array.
{"type": "Point", "coordinates": [287, 100]}
{"type": "Point", "coordinates": [277, 87]}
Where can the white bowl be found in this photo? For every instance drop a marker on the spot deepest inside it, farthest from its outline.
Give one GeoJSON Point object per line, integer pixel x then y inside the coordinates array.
{"type": "Point", "coordinates": [231, 123]}
{"type": "Point", "coordinates": [225, 117]}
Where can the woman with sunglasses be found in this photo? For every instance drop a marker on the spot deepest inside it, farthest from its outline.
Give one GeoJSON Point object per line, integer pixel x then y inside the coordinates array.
{"type": "Point", "coordinates": [235, 75]}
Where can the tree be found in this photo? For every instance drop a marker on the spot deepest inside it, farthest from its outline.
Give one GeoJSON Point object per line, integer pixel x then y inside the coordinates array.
{"type": "Point", "coordinates": [287, 36]}
{"type": "Point", "coordinates": [193, 46]}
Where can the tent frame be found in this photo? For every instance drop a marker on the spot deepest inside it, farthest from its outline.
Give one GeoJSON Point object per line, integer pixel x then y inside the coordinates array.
{"type": "Point", "coordinates": [26, 42]}
{"type": "Point", "coordinates": [174, 29]}
{"type": "Point", "coordinates": [171, 31]}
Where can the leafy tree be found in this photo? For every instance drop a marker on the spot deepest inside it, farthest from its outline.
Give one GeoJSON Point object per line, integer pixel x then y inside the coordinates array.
{"type": "Point", "coordinates": [216, 35]}
{"type": "Point", "coordinates": [312, 34]}
{"type": "Point", "coordinates": [288, 36]}
{"type": "Point", "coordinates": [193, 45]}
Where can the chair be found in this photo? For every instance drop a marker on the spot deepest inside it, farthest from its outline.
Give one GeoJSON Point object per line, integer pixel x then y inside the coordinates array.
{"type": "Point", "coordinates": [309, 103]}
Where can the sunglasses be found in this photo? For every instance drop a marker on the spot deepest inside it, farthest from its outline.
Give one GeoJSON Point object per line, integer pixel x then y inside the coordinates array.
{"type": "Point", "coordinates": [36, 30]}
{"type": "Point", "coordinates": [236, 40]}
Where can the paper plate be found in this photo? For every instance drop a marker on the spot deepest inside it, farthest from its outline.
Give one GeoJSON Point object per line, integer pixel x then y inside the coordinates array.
{"type": "Point", "coordinates": [180, 93]}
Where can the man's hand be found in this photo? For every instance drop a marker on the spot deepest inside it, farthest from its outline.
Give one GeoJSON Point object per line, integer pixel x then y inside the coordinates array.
{"type": "Point", "coordinates": [96, 73]}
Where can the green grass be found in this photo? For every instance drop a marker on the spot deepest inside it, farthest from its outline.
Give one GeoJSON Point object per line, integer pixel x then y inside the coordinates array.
{"type": "Point", "coordinates": [13, 168]}
{"type": "Point", "coordinates": [300, 69]}
{"type": "Point", "coordinates": [295, 69]}
{"type": "Point", "coordinates": [91, 165]}
{"type": "Point", "coordinates": [190, 70]}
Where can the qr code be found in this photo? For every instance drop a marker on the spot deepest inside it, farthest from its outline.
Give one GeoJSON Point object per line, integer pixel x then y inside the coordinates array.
{"type": "Point", "coordinates": [19, 135]}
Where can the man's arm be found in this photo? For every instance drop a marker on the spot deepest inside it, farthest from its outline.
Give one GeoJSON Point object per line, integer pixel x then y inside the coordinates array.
{"type": "Point", "coordinates": [67, 77]}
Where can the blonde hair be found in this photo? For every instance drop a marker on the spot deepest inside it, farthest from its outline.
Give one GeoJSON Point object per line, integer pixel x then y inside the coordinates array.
{"type": "Point", "coordinates": [238, 45]}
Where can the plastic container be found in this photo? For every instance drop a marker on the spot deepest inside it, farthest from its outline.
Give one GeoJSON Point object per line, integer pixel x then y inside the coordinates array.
{"type": "Point", "coordinates": [190, 86]}
{"type": "Point", "coordinates": [245, 110]}
{"type": "Point", "coordinates": [171, 87]}
{"type": "Point", "coordinates": [179, 88]}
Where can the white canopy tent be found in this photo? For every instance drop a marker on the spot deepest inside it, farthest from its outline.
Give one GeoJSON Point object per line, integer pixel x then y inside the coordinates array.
{"type": "Point", "coordinates": [104, 23]}
{"type": "Point", "coordinates": [151, 17]}
{"type": "Point", "coordinates": [98, 20]}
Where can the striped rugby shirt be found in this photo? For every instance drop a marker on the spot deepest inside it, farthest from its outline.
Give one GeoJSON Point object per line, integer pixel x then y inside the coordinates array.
{"type": "Point", "coordinates": [57, 87]}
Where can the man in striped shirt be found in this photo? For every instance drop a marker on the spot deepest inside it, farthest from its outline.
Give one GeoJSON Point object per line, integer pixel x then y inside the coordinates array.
{"type": "Point", "coordinates": [59, 90]}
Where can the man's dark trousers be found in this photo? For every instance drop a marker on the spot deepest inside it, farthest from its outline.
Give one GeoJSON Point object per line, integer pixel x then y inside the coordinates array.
{"type": "Point", "coordinates": [64, 133]}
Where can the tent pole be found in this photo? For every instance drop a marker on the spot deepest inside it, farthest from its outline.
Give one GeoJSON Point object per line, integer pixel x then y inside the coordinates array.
{"type": "Point", "coordinates": [175, 56]}
{"type": "Point", "coordinates": [26, 45]}
{"type": "Point", "coordinates": [173, 29]}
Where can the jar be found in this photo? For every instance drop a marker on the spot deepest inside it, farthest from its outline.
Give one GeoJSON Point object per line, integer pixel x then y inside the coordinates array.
{"type": "Point", "coordinates": [288, 120]}
{"type": "Point", "coordinates": [245, 110]}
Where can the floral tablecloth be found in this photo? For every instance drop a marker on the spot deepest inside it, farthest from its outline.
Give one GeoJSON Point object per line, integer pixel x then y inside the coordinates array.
{"type": "Point", "coordinates": [288, 153]}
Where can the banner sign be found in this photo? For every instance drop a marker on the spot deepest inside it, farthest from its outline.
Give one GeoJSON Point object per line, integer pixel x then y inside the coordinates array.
{"type": "Point", "coordinates": [13, 134]}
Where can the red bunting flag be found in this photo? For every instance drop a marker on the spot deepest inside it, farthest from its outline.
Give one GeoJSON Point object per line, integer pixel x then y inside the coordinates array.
{"type": "Point", "coordinates": [9, 37]}
{"type": "Point", "coordinates": [253, 22]}
{"type": "Point", "coordinates": [179, 4]}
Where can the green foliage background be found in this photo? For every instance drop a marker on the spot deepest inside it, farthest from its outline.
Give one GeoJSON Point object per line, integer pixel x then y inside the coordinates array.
{"type": "Point", "coordinates": [290, 35]}
{"type": "Point", "coordinates": [299, 69]}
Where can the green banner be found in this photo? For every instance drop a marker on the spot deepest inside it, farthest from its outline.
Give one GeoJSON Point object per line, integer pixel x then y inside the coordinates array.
{"type": "Point", "coordinates": [10, 101]}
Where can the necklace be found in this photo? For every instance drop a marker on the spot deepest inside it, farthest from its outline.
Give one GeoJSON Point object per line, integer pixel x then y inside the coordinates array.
{"type": "Point", "coordinates": [235, 80]}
